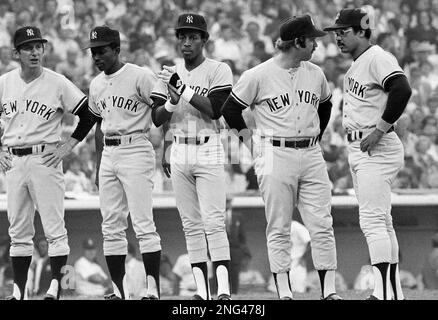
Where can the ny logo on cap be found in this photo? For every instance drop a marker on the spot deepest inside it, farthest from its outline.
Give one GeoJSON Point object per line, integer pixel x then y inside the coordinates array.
{"type": "Point", "coordinates": [29, 33]}
{"type": "Point", "coordinates": [311, 20]}
{"type": "Point", "coordinates": [189, 19]}
{"type": "Point", "coordinates": [94, 35]}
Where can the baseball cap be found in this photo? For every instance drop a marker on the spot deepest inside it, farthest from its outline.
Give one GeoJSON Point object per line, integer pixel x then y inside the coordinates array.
{"type": "Point", "coordinates": [299, 26]}
{"type": "Point", "coordinates": [89, 244]}
{"type": "Point", "coordinates": [102, 36]}
{"type": "Point", "coordinates": [191, 21]}
{"type": "Point", "coordinates": [350, 18]}
{"type": "Point", "coordinates": [27, 34]}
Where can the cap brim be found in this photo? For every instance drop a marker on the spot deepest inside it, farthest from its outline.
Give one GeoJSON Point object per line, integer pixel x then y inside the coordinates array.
{"type": "Point", "coordinates": [336, 27]}
{"type": "Point", "coordinates": [95, 44]}
{"type": "Point", "coordinates": [192, 28]}
{"type": "Point", "coordinates": [31, 40]}
{"type": "Point", "coordinates": [316, 33]}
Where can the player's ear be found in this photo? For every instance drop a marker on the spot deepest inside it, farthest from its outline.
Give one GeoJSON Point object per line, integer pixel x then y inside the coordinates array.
{"type": "Point", "coordinates": [15, 54]}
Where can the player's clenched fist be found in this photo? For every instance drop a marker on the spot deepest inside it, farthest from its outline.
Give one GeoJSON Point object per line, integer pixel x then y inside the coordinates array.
{"type": "Point", "coordinates": [5, 161]}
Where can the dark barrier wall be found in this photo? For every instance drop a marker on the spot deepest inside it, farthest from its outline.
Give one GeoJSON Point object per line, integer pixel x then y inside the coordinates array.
{"type": "Point", "coordinates": [414, 224]}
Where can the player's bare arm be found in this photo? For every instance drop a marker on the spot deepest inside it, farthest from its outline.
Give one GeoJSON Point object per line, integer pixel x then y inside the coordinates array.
{"type": "Point", "coordinates": [165, 160]}
{"type": "Point", "coordinates": [399, 92]}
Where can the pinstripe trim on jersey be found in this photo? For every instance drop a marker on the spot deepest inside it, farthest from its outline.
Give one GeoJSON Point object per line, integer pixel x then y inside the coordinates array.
{"type": "Point", "coordinates": [92, 111]}
{"type": "Point", "coordinates": [239, 101]}
{"type": "Point", "coordinates": [326, 99]}
{"type": "Point", "coordinates": [79, 105]}
{"type": "Point", "coordinates": [219, 88]}
{"type": "Point", "coordinates": [158, 95]}
{"type": "Point", "coordinates": [389, 76]}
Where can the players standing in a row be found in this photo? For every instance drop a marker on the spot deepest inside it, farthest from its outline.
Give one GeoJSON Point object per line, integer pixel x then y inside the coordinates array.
{"type": "Point", "coordinates": [33, 100]}
{"type": "Point", "coordinates": [120, 95]}
{"type": "Point", "coordinates": [197, 88]}
{"type": "Point", "coordinates": [290, 98]}
{"type": "Point", "coordinates": [376, 92]}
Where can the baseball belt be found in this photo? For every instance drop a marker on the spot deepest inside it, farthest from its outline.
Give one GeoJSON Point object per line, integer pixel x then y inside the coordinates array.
{"type": "Point", "coordinates": [19, 152]}
{"type": "Point", "coordinates": [191, 140]}
{"type": "Point", "coordinates": [296, 144]}
{"type": "Point", "coordinates": [357, 134]}
{"type": "Point", "coordinates": [116, 141]}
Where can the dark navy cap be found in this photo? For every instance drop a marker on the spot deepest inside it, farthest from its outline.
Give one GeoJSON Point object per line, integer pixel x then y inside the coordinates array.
{"type": "Point", "coordinates": [299, 26]}
{"type": "Point", "coordinates": [27, 34]}
{"type": "Point", "coordinates": [191, 21]}
{"type": "Point", "coordinates": [102, 36]}
{"type": "Point", "coordinates": [350, 18]}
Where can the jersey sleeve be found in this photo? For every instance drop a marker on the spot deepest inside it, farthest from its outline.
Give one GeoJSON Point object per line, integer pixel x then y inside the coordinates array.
{"type": "Point", "coordinates": [384, 67]}
{"type": "Point", "coordinates": [72, 98]}
{"type": "Point", "coordinates": [145, 85]}
{"type": "Point", "coordinates": [325, 89]}
{"type": "Point", "coordinates": [159, 90]}
{"type": "Point", "coordinates": [245, 90]}
{"type": "Point", "coordinates": [222, 79]}
{"type": "Point", "coordinates": [92, 103]}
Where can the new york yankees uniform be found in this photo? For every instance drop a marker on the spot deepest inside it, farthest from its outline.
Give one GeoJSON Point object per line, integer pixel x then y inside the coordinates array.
{"type": "Point", "coordinates": [289, 164]}
{"type": "Point", "coordinates": [364, 102]}
{"type": "Point", "coordinates": [32, 113]}
{"type": "Point", "coordinates": [127, 166]}
{"type": "Point", "coordinates": [197, 162]}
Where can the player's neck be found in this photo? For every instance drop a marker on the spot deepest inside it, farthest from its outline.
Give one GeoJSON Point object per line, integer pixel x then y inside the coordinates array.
{"type": "Point", "coordinates": [30, 74]}
{"type": "Point", "coordinates": [192, 64]}
{"type": "Point", "coordinates": [114, 68]}
{"type": "Point", "coordinates": [287, 60]}
{"type": "Point", "coordinates": [361, 48]}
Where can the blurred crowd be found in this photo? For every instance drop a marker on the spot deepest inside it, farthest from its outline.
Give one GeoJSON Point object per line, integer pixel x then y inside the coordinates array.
{"type": "Point", "coordinates": [242, 34]}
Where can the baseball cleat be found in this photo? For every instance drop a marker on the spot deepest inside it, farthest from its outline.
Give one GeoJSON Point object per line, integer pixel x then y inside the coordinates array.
{"type": "Point", "coordinates": [332, 296]}
{"type": "Point", "coordinates": [371, 297]}
{"type": "Point", "coordinates": [111, 296]}
{"type": "Point", "coordinates": [149, 297]}
{"type": "Point", "coordinates": [10, 298]}
{"type": "Point", "coordinates": [286, 298]}
{"type": "Point", "coordinates": [224, 296]}
{"type": "Point", "coordinates": [49, 296]}
{"type": "Point", "coordinates": [197, 297]}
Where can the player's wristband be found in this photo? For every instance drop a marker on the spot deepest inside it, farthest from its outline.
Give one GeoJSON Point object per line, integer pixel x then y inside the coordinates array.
{"type": "Point", "coordinates": [169, 106]}
{"type": "Point", "coordinates": [187, 94]}
{"type": "Point", "coordinates": [383, 126]}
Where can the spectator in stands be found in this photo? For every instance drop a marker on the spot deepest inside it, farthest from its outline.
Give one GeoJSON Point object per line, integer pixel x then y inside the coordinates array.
{"type": "Point", "coordinates": [227, 47]}
{"type": "Point", "coordinates": [428, 277]}
{"type": "Point", "coordinates": [236, 233]}
{"type": "Point", "coordinates": [75, 179]}
{"type": "Point", "coordinates": [6, 62]}
{"type": "Point", "coordinates": [168, 281]}
{"type": "Point", "coordinates": [251, 279]}
{"type": "Point", "coordinates": [72, 68]}
{"type": "Point", "coordinates": [6, 274]}
{"type": "Point", "coordinates": [91, 280]}
{"type": "Point", "coordinates": [135, 274]}
{"type": "Point", "coordinates": [40, 274]}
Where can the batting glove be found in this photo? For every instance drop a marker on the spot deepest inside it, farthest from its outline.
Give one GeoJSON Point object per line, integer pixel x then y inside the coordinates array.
{"type": "Point", "coordinates": [171, 77]}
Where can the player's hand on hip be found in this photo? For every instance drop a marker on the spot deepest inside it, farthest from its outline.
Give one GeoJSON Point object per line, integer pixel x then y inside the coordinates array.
{"type": "Point", "coordinates": [370, 141]}
{"type": "Point", "coordinates": [5, 160]}
{"type": "Point", "coordinates": [51, 158]}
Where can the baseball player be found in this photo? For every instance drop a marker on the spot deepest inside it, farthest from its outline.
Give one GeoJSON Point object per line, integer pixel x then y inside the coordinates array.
{"type": "Point", "coordinates": [197, 87]}
{"type": "Point", "coordinates": [120, 95]}
{"type": "Point", "coordinates": [376, 92]}
{"type": "Point", "coordinates": [290, 99]}
{"type": "Point", "coordinates": [33, 100]}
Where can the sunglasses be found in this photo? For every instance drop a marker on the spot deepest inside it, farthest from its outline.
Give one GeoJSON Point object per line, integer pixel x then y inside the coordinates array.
{"type": "Point", "coordinates": [342, 32]}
